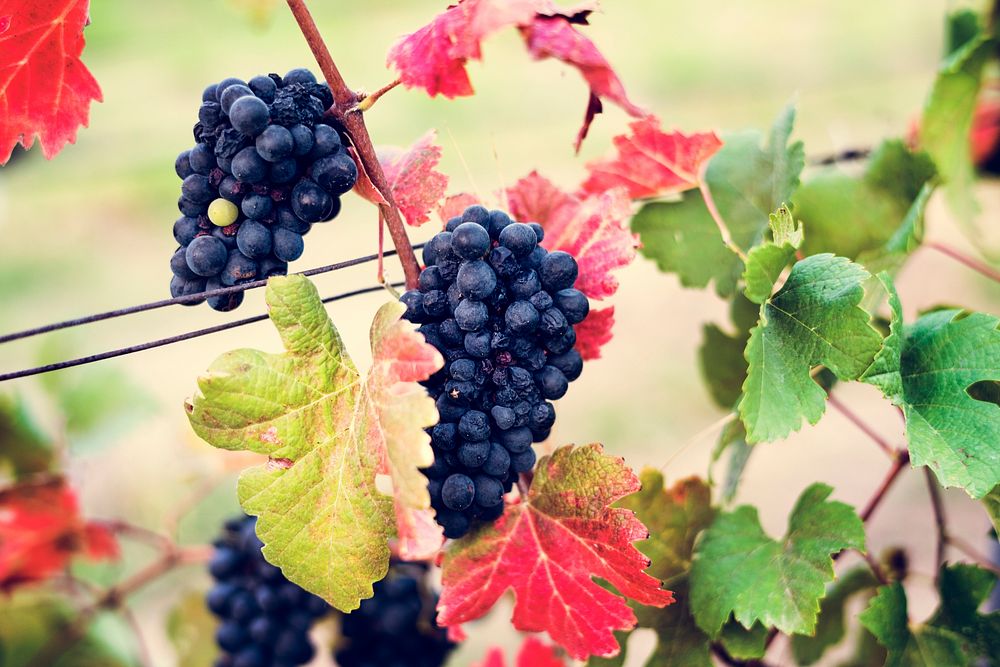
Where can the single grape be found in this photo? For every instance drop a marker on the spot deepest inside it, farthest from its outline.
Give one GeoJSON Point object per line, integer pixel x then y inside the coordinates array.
{"type": "Point", "coordinates": [310, 202]}
{"type": "Point", "coordinates": [206, 256]}
{"type": "Point", "coordinates": [298, 75]}
{"type": "Point", "coordinates": [185, 229]}
{"type": "Point", "coordinates": [254, 239]}
{"type": "Point", "coordinates": [232, 93]}
{"type": "Point", "coordinates": [470, 241]}
{"type": "Point", "coordinates": [263, 87]}
{"type": "Point", "coordinates": [336, 174]}
{"type": "Point", "coordinates": [458, 492]}
{"type": "Point", "coordinates": [202, 159]}
{"type": "Point", "coordinates": [275, 143]}
{"type": "Point", "coordinates": [222, 212]}
{"type": "Point", "coordinates": [326, 142]}
{"type": "Point", "coordinates": [558, 271]}
{"type": "Point", "coordinates": [288, 246]}
{"type": "Point", "coordinates": [239, 268]}
{"type": "Point", "coordinates": [476, 280]}
{"type": "Point", "coordinates": [182, 165]}
{"type": "Point", "coordinates": [519, 238]}
{"type": "Point", "coordinates": [573, 304]}
{"type": "Point", "coordinates": [303, 139]}
{"type": "Point", "coordinates": [256, 207]}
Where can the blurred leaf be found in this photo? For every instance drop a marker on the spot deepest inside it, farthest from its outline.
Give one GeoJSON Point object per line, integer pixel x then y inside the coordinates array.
{"type": "Point", "coordinates": [734, 439]}
{"type": "Point", "coordinates": [813, 319]}
{"type": "Point", "coordinates": [23, 447]}
{"type": "Point", "coordinates": [738, 569]}
{"type": "Point", "coordinates": [720, 356]}
{"type": "Point", "coordinates": [867, 651]}
{"type": "Point", "coordinates": [927, 369]}
{"type": "Point", "coordinates": [992, 503]}
{"type": "Point", "coordinates": [948, 114]}
{"type": "Point", "coordinates": [964, 588]}
{"type": "Point", "coordinates": [886, 618]}
{"type": "Point", "coordinates": [191, 628]}
{"type": "Point", "coordinates": [327, 434]}
{"type": "Point", "coordinates": [31, 625]}
{"type": "Point", "coordinates": [849, 215]}
{"type": "Point", "coordinates": [830, 626]}
{"type": "Point", "coordinates": [259, 12]}
{"type": "Point", "coordinates": [744, 644]}
{"type": "Point", "coordinates": [748, 181]}
{"type": "Point", "coordinates": [766, 261]}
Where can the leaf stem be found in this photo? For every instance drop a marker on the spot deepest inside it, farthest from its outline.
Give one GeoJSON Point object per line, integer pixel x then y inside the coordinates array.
{"type": "Point", "coordinates": [902, 458]}
{"type": "Point", "coordinates": [862, 425]}
{"type": "Point", "coordinates": [974, 555]}
{"type": "Point", "coordinates": [368, 101]}
{"type": "Point", "coordinates": [940, 522]}
{"type": "Point", "coordinates": [345, 101]}
{"type": "Point", "coordinates": [980, 267]}
{"type": "Point", "coordinates": [727, 238]}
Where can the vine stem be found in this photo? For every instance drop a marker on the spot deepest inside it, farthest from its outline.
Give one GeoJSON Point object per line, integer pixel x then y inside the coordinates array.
{"type": "Point", "coordinates": [980, 267]}
{"type": "Point", "coordinates": [940, 522]}
{"type": "Point", "coordinates": [862, 425]}
{"type": "Point", "coordinates": [902, 458]}
{"type": "Point", "coordinates": [713, 210]}
{"type": "Point", "coordinates": [368, 101]}
{"type": "Point", "coordinates": [345, 103]}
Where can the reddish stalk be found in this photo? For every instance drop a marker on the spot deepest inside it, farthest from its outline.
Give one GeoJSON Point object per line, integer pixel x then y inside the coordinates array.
{"type": "Point", "coordinates": [863, 426]}
{"type": "Point", "coordinates": [368, 101]}
{"type": "Point", "coordinates": [902, 458]}
{"type": "Point", "coordinates": [939, 521]}
{"type": "Point", "coordinates": [974, 264]}
{"type": "Point", "coordinates": [346, 101]}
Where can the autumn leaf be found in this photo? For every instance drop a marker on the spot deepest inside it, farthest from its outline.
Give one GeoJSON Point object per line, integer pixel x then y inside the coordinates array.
{"type": "Point", "coordinates": [594, 332]}
{"type": "Point", "coordinates": [533, 653]}
{"type": "Point", "coordinates": [455, 205]}
{"type": "Point", "coordinates": [550, 547]}
{"type": "Point", "coordinates": [45, 89]}
{"type": "Point", "coordinates": [651, 162]}
{"type": "Point", "coordinates": [327, 434]}
{"type": "Point", "coordinates": [41, 530]}
{"type": "Point", "coordinates": [415, 183]}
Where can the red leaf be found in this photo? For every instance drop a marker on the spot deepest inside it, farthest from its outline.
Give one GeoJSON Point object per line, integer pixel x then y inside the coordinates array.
{"type": "Point", "coordinates": [416, 186]}
{"type": "Point", "coordinates": [41, 529]}
{"type": "Point", "coordinates": [535, 198]}
{"type": "Point", "coordinates": [594, 332]}
{"type": "Point", "coordinates": [364, 187]}
{"type": "Point", "coordinates": [533, 653]}
{"type": "Point", "coordinates": [651, 162]}
{"type": "Point", "coordinates": [454, 205]}
{"type": "Point", "coordinates": [434, 57]}
{"type": "Point", "coordinates": [45, 89]}
{"type": "Point", "coordinates": [556, 37]}
{"type": "Point", "coordinates": [420, 536]}
{"type": "Point", "coordinates": [550, 548]}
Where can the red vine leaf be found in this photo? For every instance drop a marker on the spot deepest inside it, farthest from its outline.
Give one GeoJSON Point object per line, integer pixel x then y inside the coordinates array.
{"type": "Point", "coordinates": [364, 187]}
{"type": "Point", "coordinates": [556, 37]}
{"type": "Point", "coordinates": [549, 549]}
{"type": "Point", "coordinates": [534, 653]}
{"type": "Point", "coordinates": [454, 205]}
{"type": "Point", "coordinates": [420, 537]}
{"type": "Point", "coordinates": [594, 332]}
{"type": "Point", "coordinates": [41, 530]}
{"type": "Point", "coordinates": [651, 162]}
{"type": "Point", "coordinates": [45, 89]}
{"type": "Point", "coordinates": [415, 185]}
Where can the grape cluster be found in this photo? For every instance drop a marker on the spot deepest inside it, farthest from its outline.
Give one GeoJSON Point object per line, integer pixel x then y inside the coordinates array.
{"type": "Point", "coordinates": [265, 619]}
{"type": "Point", "coordinates": [396, 627]}
{"type": "Point", "coordinates": [264, 169]}
{"type": "Point", "coordinates": [501, 310]}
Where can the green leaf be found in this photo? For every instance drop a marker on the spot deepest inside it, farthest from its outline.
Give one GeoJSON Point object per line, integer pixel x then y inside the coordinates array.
{"type": "Point", "coordinates": [320, 515]}
{"type": "Point", "coordinates": [992, 503]}
{"type": "Point", "coordinates": [744, 644]}
{"type": "Point", "coordinates": [927, 369]}
{"type": "Point", "coordinates": [886, 618]}
{"type": "Point", "coordinates": [850, 215]}
{"type": "Point", "coordinates": [734, 439]}
{"type": "Point", "coordinates": [30, 626]}
{"type": "Point", "coordinates": [884, 371]}
{"type": "Point", "coordinates": [739, 569]}
{"type": "Point", "coordinates": [747, 181]}
{"type": "Point", "coordinates": [813, 319]}
{"type": "Point", "coordinates": [23, 448]}
{"type": "Point", "coordinates": [908, 237]}
{"type": "Point", "coordinates": [948, 113]}
{"type": "Point", "coordinates": [765, 262]}
{"type": "Point", "coordinates": [830, 627]}
{"type": "Point", "coordinates": [720, 356]}
{"type": "Point", "coordinates": [191, 629]}
{"type": "Point", "coordinates": [964, 588]}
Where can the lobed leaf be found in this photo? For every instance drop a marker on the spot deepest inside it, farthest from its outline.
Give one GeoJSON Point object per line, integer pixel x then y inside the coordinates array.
{"type": "Point", "coordinates": [533, 653]}
{"type": "Point", "coordinates": [765, 262]}
{"type": "Point", "coordinates": [886, 618]}
{"type": "Point", "coordinates": [416, 185]}
{"type": "Point", "coordinates": [830, 628]}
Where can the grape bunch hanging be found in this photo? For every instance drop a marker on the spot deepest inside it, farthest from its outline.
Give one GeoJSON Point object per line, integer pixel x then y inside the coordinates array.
{"type": "Point", "coordinates": [500, 308]}
{"type": "Point", "coordinates": [265, 619]}
{"type": "Point", "coordinates": [266, 166]}
{"type": "Point", "coordinates": [396, 627]}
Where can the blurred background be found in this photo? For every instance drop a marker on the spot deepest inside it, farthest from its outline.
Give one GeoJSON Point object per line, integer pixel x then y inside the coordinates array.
{"type": "Point", "coordinates": [91, 231]}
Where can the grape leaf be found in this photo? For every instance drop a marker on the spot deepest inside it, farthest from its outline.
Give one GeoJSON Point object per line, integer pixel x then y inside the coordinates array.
{"type": "Point", "coordinates": [927, 370]}
{"type": "Point", "coordinates": [191, 628]}
{"type": "Point", "coordinates": [766, 261]}
{"type": "Point", "coordinates": [594, 332]}
{"type": "Point", "coordinates": [992, 503]}
{"type": "Point", "coordinates": [327, 434]}
{"type": "Point", "coordinates": [886, 618]}
{"type": "Point", "coordinates": [813, 319]}
{"type": "Point", "coordinates": [45, 89]}
{"type": "Point", "coordinates": [549, 548]}
{"type": "Point", "coordinates": [747, 182]}
{"type": "Point", "coordinates": [734, 438]}
{"type": "Point", "coordinates": [739, 569]}
{"type": "Point", "coordinates": [41, 530]}
{"type": "Point", "coordinates": [964, 588]}
{"type": "Point", "coordinates": [947, 119]}
{"type": "Point", "coordinates": [744, 644]}
{"type": "Point", "coordinates": [849, 214]}
{"type": "Point", "coordinates": [830, 627]}
{"type": "Point", "coordinates": [723, 366]}
{"type": "Point", "coordinates": [455, 205]}
{"type": "Point", "coordinates": [651, 162]}
{"type": "Point", "coordinates": [31, 625]}
{"type": "Point", "coordinates": [415, 183]}
{"type": "Point", "coordinates": [434, 57]}
{"type": "Point", "coordinates": [907, 238]}
{"type": "Point", "coordinates": [533, 653]}
{"type": "Point", "coordinates": [23, 449]}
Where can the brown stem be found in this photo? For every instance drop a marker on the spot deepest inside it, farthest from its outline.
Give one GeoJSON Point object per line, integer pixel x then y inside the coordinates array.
{"type": "Point", "coordinates": [875, 568]}
{"type": "Point", "coordinates": [939, 521]}
{"type": "Point", "coordinates": [974, 555]}
{"type": "Point", "coordinates": [713, 210]}
{"type": "Point", "coordinates": [863, 426]}
{"type": "Point", "coordinates": [345, 101]}
{"type": "Point", "coordinates": [971, 262]}
{"type": "Point", "coordinates": [138, 533]}
{"type": "Point", "coordinates": [902, 458]}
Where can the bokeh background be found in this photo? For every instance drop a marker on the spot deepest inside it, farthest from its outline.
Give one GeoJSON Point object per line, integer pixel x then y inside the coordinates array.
{"type": "Point", "coordinates": [91, 230]}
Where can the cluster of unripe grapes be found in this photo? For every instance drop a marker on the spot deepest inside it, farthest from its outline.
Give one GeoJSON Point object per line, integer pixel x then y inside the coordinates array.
{"type": "Point", "coordinates": [267, 165]}
{"type": "Point", "coordinates": [500, 308]}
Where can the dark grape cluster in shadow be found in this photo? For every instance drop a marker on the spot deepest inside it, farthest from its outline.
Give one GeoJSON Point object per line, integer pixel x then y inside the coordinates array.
{"type": "Point", "coordinates": [500, 308]}
{"type": "Point", "coordinates": [266, 166]}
